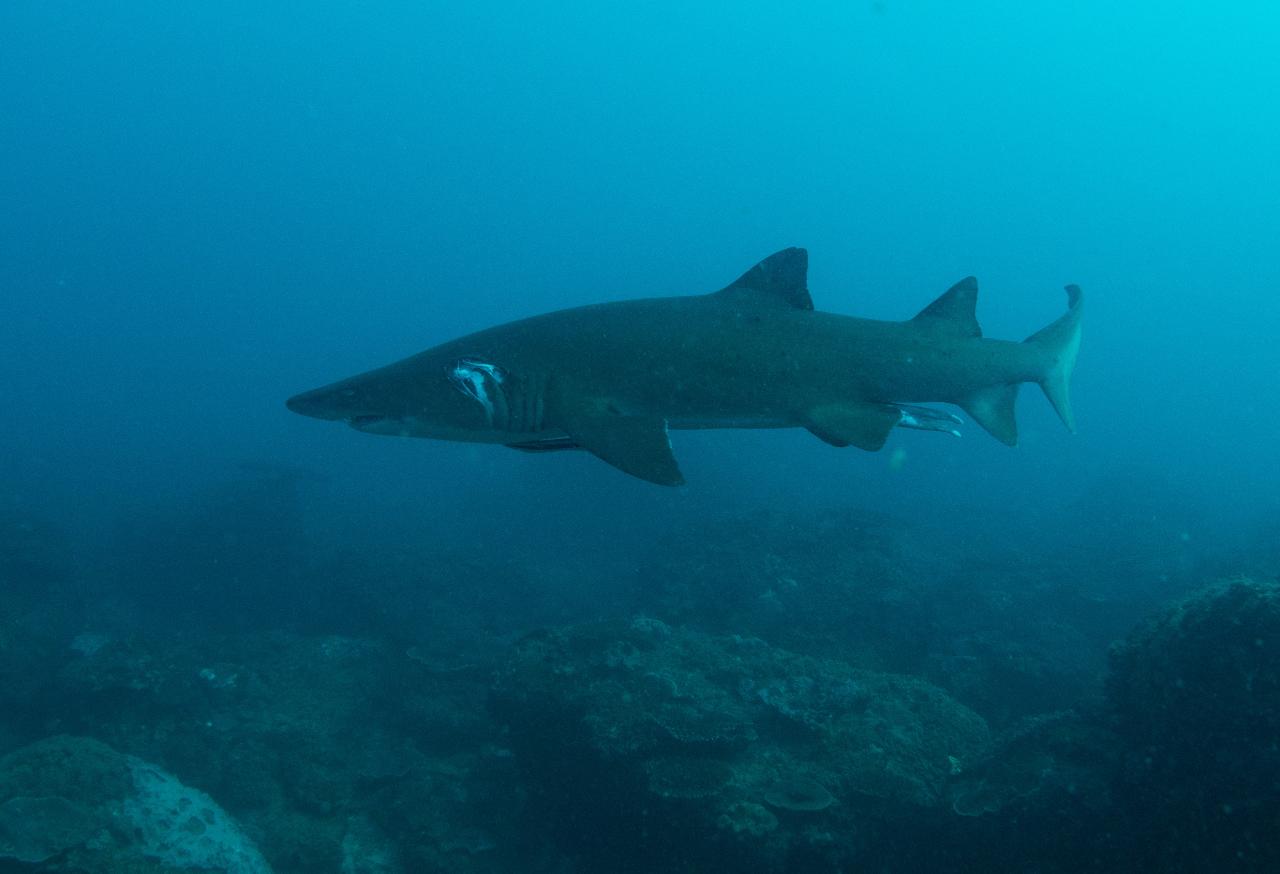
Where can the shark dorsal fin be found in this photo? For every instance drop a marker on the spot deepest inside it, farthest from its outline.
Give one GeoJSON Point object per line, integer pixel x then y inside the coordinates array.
{"type": "Point", "coordinates": [954, 311]}
{"type": "Point", "coordinates": [780, 279]}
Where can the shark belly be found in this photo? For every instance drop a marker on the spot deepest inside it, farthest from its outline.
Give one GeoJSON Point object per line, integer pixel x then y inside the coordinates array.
{"type": "Point", "coordinates": [706, 424]}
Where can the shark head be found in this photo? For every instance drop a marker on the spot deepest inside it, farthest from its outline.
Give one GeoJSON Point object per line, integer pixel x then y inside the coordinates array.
{"type": "Point", "coordinates": [449, 399]}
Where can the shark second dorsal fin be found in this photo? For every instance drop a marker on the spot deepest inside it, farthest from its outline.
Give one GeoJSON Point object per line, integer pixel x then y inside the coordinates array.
{"type": "Point", "coordinates": [954, 312]}
{"type": "Point", "coordinates": [779, 279]}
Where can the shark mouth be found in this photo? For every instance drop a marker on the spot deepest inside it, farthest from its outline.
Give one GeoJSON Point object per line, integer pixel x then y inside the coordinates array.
{"type": "Point", "coordinates": [363, 423]}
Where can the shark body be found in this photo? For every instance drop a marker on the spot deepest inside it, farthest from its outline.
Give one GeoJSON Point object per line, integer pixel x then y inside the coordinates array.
{"type": "Point", "coordinates": [613, 378]}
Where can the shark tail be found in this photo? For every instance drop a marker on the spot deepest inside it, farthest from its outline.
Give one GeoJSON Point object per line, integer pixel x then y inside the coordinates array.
{"type": "Point", "coordinates": [1057, 345]}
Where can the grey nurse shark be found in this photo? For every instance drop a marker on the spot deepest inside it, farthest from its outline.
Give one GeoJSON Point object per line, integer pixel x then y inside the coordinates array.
{"type": "Point", "coordinates": [612, 378]}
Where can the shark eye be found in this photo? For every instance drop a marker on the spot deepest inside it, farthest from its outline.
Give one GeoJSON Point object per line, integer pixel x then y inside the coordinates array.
{"type": "Point", "coordinates": [478, 380]}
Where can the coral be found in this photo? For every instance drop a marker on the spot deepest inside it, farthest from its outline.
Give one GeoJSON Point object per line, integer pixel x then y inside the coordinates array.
{"type": "Point", "coordinates": [799, 794]}
{"type": "Point", "coordinates": [747, 818]}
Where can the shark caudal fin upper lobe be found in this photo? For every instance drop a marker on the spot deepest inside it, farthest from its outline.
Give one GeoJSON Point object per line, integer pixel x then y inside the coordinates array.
{"type": "Point", "coordinates": [1057, 346]}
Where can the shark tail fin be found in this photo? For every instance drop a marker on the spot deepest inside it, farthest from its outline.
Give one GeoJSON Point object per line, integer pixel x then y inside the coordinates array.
{"type": "Point", "coordinates": [1058, 345]}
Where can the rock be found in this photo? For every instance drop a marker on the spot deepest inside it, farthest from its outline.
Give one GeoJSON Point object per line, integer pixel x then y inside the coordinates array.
{"type": "Point", "coordinates": [1203, 677]}
{"type": "Point", "coordinates": [660, 744]}
{"type": "Point", "coordinates": [108, 812]}
{"type": "Point", "coordinates": [1007, 636]}
{"type": "Point", "coordinates": [366, 850]}
{"type": "Point", "coordinates": [184, 828]}
{"type": "Point", "coordinates": [35, 829]}
{"type": "Point", "coordinates": [1195, 694]}
{"type": "Point", "coordinates": [1055, 760]}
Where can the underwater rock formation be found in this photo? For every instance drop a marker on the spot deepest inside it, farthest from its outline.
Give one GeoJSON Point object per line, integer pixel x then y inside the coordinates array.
{"type": "Point", "coordinates": [79, 800]}
{"type": "Point", "coordinates": [1039, 800]}
{"type": "Point", "coordinates": [665, 743]}
{"type": "Point", "coordinates": [639, 746]}
{"type": "Point", "coordinates": [878, 593]}
{"type": "Point", "coordinates": [1176, 770]}
{"type": "Point", "coordinates": [1196, 697]}
{"type": "Point", "coordinates": [336, 751]}
{"type": "Point", "coordinates": [1203, 677]}
{"type": "Point", "coordinates": [1054, 760]}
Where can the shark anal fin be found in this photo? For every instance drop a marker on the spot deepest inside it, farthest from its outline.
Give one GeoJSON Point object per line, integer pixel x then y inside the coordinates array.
{"type": "Point", "coordinates": [992, 408]}
{"type": "Point", "coordinates": [954, 312]}
{"type": "Point", "coordinates": [637, 445]}
{"type": "Point", "coordinates": [865, 426]}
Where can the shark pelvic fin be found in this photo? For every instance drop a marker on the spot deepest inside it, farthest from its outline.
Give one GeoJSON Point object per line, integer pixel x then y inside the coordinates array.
{"type": "Point", "coordinates": [954, 312]}
{"type": "Point", "coordinates": [865, 426]}
{"type": "Point", "coordinates": [637, 445]}
{"type": "Point", "coordinates": [992, 408]}
{"type": "Point", "coordinates": [779, 279]}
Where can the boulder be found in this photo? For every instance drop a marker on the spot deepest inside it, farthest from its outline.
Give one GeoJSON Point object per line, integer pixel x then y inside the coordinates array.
{"type": "Point", "coordinates": [101, 811]}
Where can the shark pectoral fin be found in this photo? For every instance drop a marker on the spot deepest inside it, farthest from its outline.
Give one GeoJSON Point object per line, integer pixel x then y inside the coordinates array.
{"type": "Point", "coordinates": [992, 408]}
{"type": "Point", "coordinates": [634, 444]}
{"type": "Point", "coordinates": [865, 426]}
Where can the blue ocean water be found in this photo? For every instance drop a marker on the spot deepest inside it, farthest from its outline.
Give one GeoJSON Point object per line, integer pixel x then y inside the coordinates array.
{"type": "Point", "coordinates": [208, 208]}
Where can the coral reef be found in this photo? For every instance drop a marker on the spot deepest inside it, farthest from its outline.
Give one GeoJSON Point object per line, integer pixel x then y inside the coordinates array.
{"type": "Point", "coordinates": [318, 743]}
{"type": "Point", "coordinates": [812, 693]}
{"type": "Point", "coordinates": [867, 589]}
{"type": "Point", "coordinates": [1175, 770]}
{"type": "Point", "coordinates": [673, 744]}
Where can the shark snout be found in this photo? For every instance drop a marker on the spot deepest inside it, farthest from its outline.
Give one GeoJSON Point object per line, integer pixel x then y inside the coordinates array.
{"type": "Point", "coordinates": [318, 404]}
{"type": "Point", "coordinates": [341, 403]}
